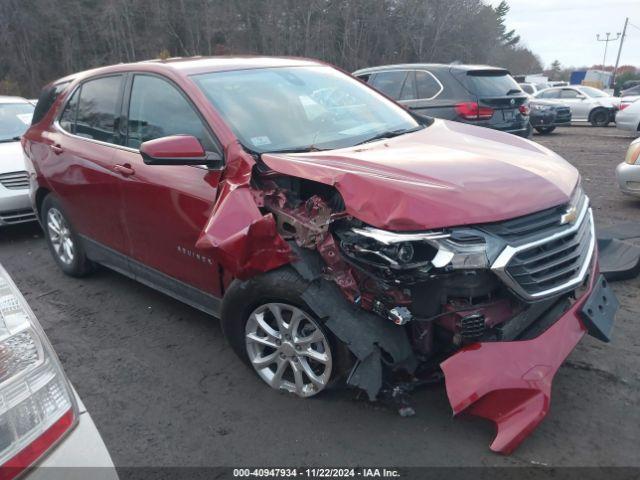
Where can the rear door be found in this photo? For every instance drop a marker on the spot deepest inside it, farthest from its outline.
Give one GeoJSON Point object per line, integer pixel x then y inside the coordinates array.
{"type": "Point", "coordinates": [80, 165]}
{"type": "Point", "coordinates": [496, 89]}
{"type": "Point", "coordinates": [166, 207]}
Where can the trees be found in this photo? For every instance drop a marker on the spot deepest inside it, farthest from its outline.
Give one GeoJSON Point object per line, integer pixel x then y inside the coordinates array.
{"type": "Point", "coordinates": [47, 39]}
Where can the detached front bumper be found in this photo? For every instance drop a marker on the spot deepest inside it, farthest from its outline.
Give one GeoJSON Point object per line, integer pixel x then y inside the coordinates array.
{"type": "Point", "coordinates": [510, 382]}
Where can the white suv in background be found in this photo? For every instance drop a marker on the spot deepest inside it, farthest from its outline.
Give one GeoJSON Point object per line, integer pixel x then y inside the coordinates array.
{"type": "Point", "coordinates": [587, 104]}
{"type": "Point", "coordinates": [43, 423]}
{"type": "Point", "coordinates": [15, 118]}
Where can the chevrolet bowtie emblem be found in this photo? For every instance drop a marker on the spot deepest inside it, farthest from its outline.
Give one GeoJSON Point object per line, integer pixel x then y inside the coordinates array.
{"type": "Point", "coordinates": [570, 216]}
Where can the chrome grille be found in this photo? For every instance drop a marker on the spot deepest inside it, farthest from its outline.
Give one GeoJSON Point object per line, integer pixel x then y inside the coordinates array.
{"type": "Point", "coordinates": [556, 263]}
{"type": "Point", "coordinates": [15, 180]}
{"type": "Point", "coordinates": [17, 216]}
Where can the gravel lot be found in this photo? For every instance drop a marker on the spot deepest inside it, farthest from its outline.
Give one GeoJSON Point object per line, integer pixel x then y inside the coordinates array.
{"type": "Point", "coordinates": [166, 390]}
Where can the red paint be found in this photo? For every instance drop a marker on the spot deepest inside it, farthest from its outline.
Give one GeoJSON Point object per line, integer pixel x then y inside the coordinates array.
{"type": "Point", "coordinates": [206, 227]}
{"type": "Point", "coordinates": [176, 146]}
{"type": "Point", "coordinates": [445, 175]}
{"type": "Point", "coordinates": [510, 382]}
{"type": "Point", "coordinates": [32, 452]}
{"type": "Point", "coordinates": [242, 239]}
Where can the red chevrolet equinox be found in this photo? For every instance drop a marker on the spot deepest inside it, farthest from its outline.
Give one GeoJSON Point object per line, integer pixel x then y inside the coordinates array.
{"type": "Point", "coordinates": [337, 236]}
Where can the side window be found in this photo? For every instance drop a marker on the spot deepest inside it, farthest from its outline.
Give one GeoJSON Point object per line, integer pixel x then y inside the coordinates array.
{"type": "Point", "coordinates": [157, 109]}
{"type": "Point", "coordinates": [389, 83]}
{"type": "Point", "coordinates": [550, 94]}
{"type": "Point", "coordinates": [47, 98]}
{"type": "Point", "coordinates": [428, 86]}
{"type": "Point", "coordinates": [409, 88]}
{"type": "Point", "coordinates": [97, 109]}
{"type": "Point", "coordinates": [68, 117]}
{"type": "Point", "coordinates": [568, 93]}
{"type": "Point", "coordinates": [527, 89]}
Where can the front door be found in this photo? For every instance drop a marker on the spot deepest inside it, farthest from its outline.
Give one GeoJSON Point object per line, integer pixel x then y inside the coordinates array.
{"type": "Point", "coordinates": [166, 207]}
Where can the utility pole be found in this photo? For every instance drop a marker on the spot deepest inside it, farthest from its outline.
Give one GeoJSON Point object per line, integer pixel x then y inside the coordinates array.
{"type": "Point", "coordinates": [606, 44]}
{"type": "Point", "coordinates": [615, 69]}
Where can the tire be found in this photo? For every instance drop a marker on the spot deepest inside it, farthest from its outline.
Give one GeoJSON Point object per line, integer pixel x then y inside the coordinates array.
{"type": "Point", "coordinates": [545, 130]}
{"type": "Point", "coordinates": [599, 117]}
{"type": "Point", "coordinates": [62, 240]}
{"type": "Point", "coordinates": [263, 296]}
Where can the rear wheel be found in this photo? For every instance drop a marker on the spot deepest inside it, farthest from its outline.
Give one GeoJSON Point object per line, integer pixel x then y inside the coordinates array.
{"type": "Point", "coordinates": [62, 240]}
{"type": "Point", "coordinates": [599, 117]}
{"type": "Point", "coordinates": [545, 130]}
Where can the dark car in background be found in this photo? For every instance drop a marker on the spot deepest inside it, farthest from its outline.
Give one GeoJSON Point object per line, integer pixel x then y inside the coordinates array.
{"type": "Point", "coordinates": [476, 94]}
{"type": "Point", "coordinates": [546, 116]}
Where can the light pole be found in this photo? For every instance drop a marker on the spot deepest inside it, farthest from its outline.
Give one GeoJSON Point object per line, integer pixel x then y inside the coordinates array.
{"type": "Point", "coordinates": [606, 44]}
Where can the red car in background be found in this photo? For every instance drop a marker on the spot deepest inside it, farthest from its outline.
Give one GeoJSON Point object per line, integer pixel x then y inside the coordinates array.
{"type": "Point", "coordinates": [335, 234]}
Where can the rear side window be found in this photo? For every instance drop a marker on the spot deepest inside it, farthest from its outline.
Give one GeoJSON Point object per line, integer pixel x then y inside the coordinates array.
{"type": "Point", "coordinates": [47, 98]}
{"type": "Point", "coordinates": [568, 93]}
{"type": "Point", "coordinates": [491, 83]}
{"type": "Point", "coordinates": [550, 94]}
{"type": "Point", "coordinates": [427, 85]}
{"type": "Point", "coordinates": [98, 107]}
{"type": "Point", "coordinates": [157, 109]}
{"type": "Point", "coordinates": [389, 83]}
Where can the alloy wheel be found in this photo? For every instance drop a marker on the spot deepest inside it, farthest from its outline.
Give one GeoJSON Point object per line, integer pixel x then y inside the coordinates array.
{"type": "Point", "coordinates": [288, 349]}
{"type": "Point", "coordinates": [60, 236]}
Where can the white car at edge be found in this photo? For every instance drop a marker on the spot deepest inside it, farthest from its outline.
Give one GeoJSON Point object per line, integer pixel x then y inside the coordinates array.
{"type": "Point", "coordinates": [45, 430]}
{"type": "Point", "coordinates": [587, 104]}
{"type": "Point", "coordinates": [15, 118]}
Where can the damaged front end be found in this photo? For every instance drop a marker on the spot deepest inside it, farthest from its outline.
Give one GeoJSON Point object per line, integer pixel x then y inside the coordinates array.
{"type": "Point", "coordinates": [495, 307]}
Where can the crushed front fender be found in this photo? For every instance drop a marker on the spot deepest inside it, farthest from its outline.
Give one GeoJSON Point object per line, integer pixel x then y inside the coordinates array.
{"type": "Point", "coordinates": [510, 382]}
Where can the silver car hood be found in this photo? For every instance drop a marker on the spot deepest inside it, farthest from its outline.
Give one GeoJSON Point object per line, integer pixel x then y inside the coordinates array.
{"type": "Point", "coordinates": [11, 157]}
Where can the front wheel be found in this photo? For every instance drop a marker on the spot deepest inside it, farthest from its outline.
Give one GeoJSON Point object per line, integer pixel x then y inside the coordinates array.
{"type": "Point", "coordinates": [269, 327]}
{"type": "Point", "coordinates": [545, 130]}
{"type": "Point", "coordinates": [599, 118]}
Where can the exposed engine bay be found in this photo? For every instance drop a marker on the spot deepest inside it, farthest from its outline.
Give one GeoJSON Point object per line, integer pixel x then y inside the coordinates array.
{"type": "Point", "coordinates": [437, 285]}
{"type": "Point", "coordinates": [492, 308]}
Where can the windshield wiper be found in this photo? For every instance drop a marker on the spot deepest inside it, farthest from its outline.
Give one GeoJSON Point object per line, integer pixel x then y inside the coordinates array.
{"type": "Point", "coordinates": [514, 90]}
{"type": "Point", "coordinates": [310, 148]}
{"type": "Point", "coordinates": [391, 134]}
{"type": "Point", "coordinates": [7, 140]}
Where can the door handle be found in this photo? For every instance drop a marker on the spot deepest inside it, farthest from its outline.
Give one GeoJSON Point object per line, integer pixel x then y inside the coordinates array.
{"type": "Point", "coordinates": [57, 149]}
{"type": "Point", "coordinates": [124, 170]}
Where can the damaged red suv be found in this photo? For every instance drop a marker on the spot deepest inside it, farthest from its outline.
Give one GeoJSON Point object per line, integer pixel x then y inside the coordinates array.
{"type": "Point", "coordinates": [336, 235]}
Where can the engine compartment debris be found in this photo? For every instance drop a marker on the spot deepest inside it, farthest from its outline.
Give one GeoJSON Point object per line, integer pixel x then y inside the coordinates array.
{"type": "Point", "coordinates": [413, 305]}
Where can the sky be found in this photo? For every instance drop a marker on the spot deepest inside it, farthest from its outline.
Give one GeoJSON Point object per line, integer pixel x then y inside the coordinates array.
{"type": "Point", "coordinates": [566, 29]}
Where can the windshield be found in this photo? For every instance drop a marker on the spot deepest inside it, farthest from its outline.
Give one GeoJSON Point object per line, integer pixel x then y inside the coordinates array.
{"type": "Point", "coordinates": [593, 92]}
{"type": "Point", "coordinates": [301, 108]}
{"type": "Point", "coordinates": [15, 118]}
{"type": "Point", "coordinates": [492, 84]}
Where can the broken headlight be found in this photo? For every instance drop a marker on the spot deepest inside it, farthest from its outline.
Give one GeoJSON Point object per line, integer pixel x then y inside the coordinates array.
{"type": "Point", "coordinates": [462, 248]}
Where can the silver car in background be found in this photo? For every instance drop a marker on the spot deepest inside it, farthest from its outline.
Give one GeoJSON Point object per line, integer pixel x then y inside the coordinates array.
{"type": "Point", "coordinates": [43, 423]}
{"type": "Point", "coordinates": [15, 118]}
{"type": "Point", "coordinates": [587, 104]}
{"type": "Point", "coordinates": [629, 117]}
{"type": "Point", "coordinates": [628, 172]}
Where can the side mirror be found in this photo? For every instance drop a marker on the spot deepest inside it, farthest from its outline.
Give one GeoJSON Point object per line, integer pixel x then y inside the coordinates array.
{"type": "Point", "coordinates": [178, 150]}
{"type": "Point", "coordinates": [581, 97]}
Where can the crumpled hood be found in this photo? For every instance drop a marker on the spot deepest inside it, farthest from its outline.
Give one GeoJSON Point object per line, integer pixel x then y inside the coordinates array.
{"type": "Point", "coordinates": [445, 175]}
{"type": "Point", "coordinates": [11, 157]}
